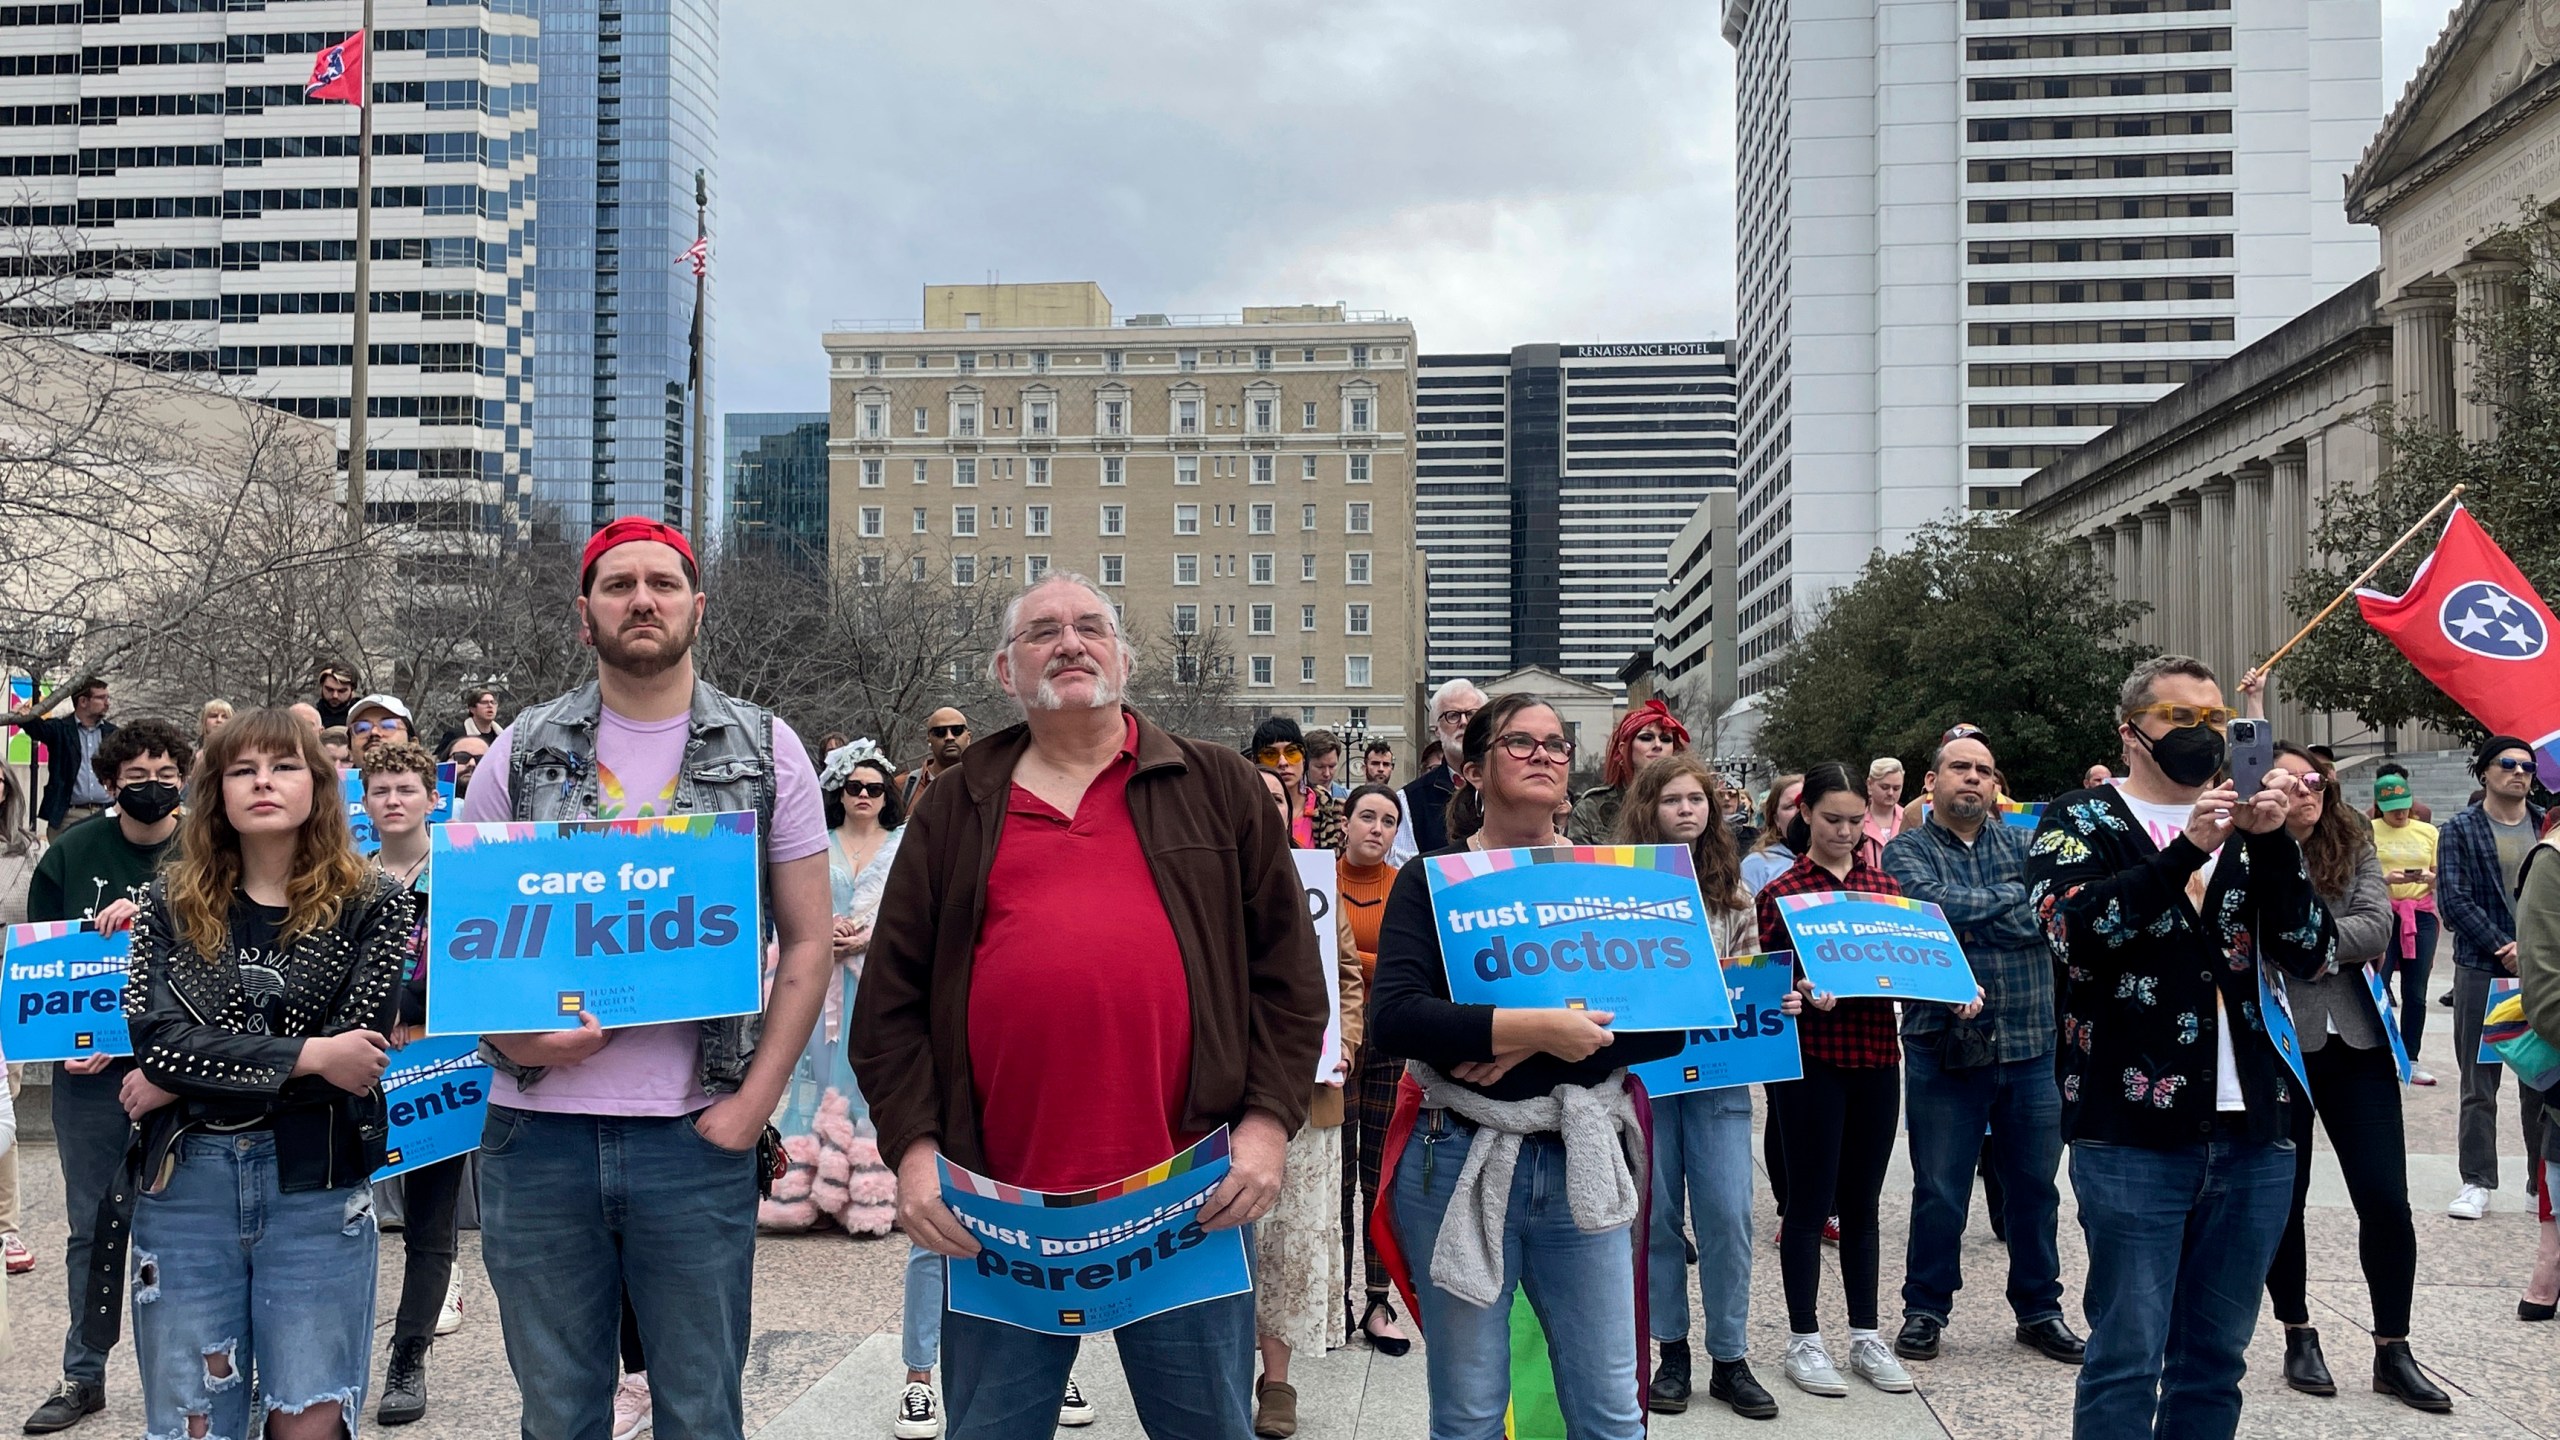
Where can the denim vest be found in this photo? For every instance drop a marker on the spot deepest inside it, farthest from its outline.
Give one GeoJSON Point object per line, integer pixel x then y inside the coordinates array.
{"type": "Point", "coordinates": [728, 765]}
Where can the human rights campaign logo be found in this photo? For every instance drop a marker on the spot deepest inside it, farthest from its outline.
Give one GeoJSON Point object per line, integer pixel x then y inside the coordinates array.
{"type": "Point", "coordinates": [2484, 619]}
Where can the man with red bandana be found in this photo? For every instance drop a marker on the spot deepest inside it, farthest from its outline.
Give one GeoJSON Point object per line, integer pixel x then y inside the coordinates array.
{"type": "Point", "coordinates": [1648, 733]}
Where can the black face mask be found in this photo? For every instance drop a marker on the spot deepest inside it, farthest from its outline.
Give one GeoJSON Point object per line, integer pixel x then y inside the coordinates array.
{"type": "Point", "coordinates": [2185, 757]}
{"type": "Point", "coordinates": [149, 803]}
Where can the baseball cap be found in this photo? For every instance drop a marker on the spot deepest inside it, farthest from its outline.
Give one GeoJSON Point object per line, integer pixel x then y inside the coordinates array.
{"type": "Point", "coordinates": [2391, 792]}
{"type": "Point", "coordinates": [628, 529]}
{"type": "Point", "coordinates": [391, 703]}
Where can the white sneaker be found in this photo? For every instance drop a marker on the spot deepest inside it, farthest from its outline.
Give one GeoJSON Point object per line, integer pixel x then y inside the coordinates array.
{"type": "Point", "coordinates": [1874, 1363]}
{"type": "Point", "coordinates": [1073, 1409]}
{"type": "Point", "coordinates": [1809, 1366]}
{"type": "Point", "coordinates": [919, 1413]}
{"type": "Point", "coordinates": [449, 1319]}
{"type": "Point", "coordinates": [2471, 1204]}
{"type": "Point", "coordinates": [631, 1412]}
{"type": "Point", "coordinates": [2418, 1076]}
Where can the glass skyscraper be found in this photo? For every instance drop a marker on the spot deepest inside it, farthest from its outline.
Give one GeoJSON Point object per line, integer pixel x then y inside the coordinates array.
{"type": "Point", "coordinates": [775, 501]}
{"type": "Point", "coordinates": [630, 92]}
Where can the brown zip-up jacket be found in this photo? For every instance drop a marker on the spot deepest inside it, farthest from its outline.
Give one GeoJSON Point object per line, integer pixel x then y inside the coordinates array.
{"type": "Point", "coordinates": [1221, 864]}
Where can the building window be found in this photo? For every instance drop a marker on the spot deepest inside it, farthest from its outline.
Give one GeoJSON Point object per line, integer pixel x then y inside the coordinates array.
{"type": "Point", "coordinates": [1262, 568]}
{"type": "Point", "coordinates": [919, 472]}
{"type": "Point", "coordinates": [1307, 617]}
{"type": "Point", "coordinates": [1359, 718]}
{"type": "Point", "coordinates": [1115, 417]}
{"type": "Point", "coordinates": [1035, 519]}
{"type": "Point", "coordinates": [1307, 671]}
{"type": "Point", "coordinates": [1186, 470]}
{"type": "Point", "coordinates": [1355, 517]}
{"type": "Point", "coordinates": [1035, 568]}
{"type": "Point", "coordinates": [1039, 362]}
{"type": "Point", "coordinates": [920, 420]}
{"type": "Point", "coordinates": [871, 363]}
{"type": "Point", "coordinates": [1262, 421]}
{"type": "Point", "coordinates": [1262, 519]}
{"type": "Point", "coordinates": [1262, 357]}
{"type": "Point", "coordinates": [1307, 416]}
{"type": "Point", "coordinates": [1261, 671]}
{"type": "Point", "coordinates": [1355, 672]}
{"type": "Point", "coordinates": [1186, 569]}
{"type": "Point", "coordinates": [871, 476]}
{"type": "Point", "coordinates": [1306, 467]}
{"type": "Point", "coordinates": [1306, 567]}
{"type": "Point", "coordinates": [1359, 470]}
{"type": "Point", "coordinates": [915, 566]}
{"type": "Point", "coordinates": [964, 569]}
{"type": "Point", "coordinates": [1115, 569]}
{"type": "Point", "coordinates": [1262, 474]}
{"type": "Point", "coordinates": [1115, 520]}
{"type": "Point", "coordinates": [870, 571]}
{"type": "Point", "coordinates": [964, 520]}
{"type": "Point", "coordinates": [964, 420]}
{"type": "Point", "coordinates": [1187, 359]}
{"type": "Point", "coordinates": [1186, 619]}
{"type": "Point", "coordinates": [920, 522]}
{"type": "Point", "coordinates": [1262, 619]}
{"type": "Point", "coordinates": [875, 522]}
{"type": "Point", "coordinates": [1359, 357]}
{"type": "Point", "coordinates": [1186, 417]}
{"type": "Point", "coordinates": [1111, 361]}
{"type": "Point", "coordinates": [1306, 517]}
{"type": "Point", "coordinates": [1186, 519]}
{"type": "Point", "coordinates": [1115, 470]}
{"type": "Point", "coordinates": [964, 474]}
{"type": "Point", "coordinates": [1039, 470]}
{"type": "Point", "coordinates": [1358, 423]}
{"type": "Point", "coordinates": [1355, 568]}
{"type": "Point", "coordinates": [875, 420]}
{"type": "Point", "coordinates": [1355, 619]}
{"type": "Point", "coordinates": [1039, 417]}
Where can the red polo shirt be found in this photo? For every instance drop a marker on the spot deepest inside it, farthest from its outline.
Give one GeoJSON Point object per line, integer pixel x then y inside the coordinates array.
{"type": "Point", "coordinates": [1079, 1008]}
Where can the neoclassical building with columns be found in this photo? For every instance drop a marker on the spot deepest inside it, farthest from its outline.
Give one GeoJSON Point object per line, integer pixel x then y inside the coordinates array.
{"type": "Point", "coordinates": [2202, 504]}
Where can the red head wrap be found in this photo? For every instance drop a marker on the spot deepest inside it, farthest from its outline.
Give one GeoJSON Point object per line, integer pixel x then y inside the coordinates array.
{"type": "Point", "coordinates": [1620, 766]}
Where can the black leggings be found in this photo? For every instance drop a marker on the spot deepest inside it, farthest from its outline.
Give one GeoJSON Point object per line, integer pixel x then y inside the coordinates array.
{"type": "Point", "coordinates": [2359, 1105]}
{"type": "Point", "coordinates": [1839, 1126]}
{"type": "Point", "coordinates": [428, 1199]}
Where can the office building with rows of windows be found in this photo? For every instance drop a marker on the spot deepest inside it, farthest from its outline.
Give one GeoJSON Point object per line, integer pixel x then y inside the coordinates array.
{"type": "Point", "coordinates": [1248, 476]}
{"type": "Point", "coordinates": [774, 485]}
{"type": "Point", "coordinates": [1549, 484]}
{"type": "Point", "coordinates": [212, 210]}
{"type": "Point", "coordinates": [1971, 234]}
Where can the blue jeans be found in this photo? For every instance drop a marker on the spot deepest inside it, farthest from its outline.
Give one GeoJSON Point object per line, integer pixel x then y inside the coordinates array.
{"type": "Point", "coordinates": [1702, 1149]}
{"type": "Point", "coordinates": [2179, 1245]}
{"type": "Point", "coordinates": [920, 1333]}
{"type": "Point", "coordinates": [234, 1278]}
{"type": "Point", "coordinates": [1581, 1284]}
{"type": "Point", "coordinates": [576, 1211]}
{"type": "Point", "coordinates": [89, 1130]}
{"type": "Point", "coordinates": [1189, 1370]}
{"type": "Point", "coordinates": [1948, 1110]}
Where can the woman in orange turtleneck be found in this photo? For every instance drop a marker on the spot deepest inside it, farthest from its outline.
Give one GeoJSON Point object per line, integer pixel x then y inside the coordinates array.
{"type": "Point", "coordinates": [1370, 814]}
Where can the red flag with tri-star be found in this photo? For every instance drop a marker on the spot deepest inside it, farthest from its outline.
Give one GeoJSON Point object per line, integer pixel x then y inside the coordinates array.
{"type": "Point", "coordinates": [337, 73]}
{"type": "Point", "coordinates": [2473, 625]}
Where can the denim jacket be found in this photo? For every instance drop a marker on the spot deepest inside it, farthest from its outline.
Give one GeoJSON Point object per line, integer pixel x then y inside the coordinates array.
{"type": "Point", "coordinates": [728, 765]}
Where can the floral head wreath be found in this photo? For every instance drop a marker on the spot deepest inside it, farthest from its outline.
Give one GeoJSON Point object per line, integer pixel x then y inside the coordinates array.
{"type": "Point", "coordinates": [842, 759]}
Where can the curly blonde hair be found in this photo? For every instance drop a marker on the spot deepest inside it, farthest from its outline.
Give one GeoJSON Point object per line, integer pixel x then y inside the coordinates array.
{"type": "Point", "coordinates": [327, 870]}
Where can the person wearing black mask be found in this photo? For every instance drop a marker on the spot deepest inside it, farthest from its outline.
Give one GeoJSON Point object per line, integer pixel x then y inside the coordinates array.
{"type": "Point", "coordinates": [93, 873]}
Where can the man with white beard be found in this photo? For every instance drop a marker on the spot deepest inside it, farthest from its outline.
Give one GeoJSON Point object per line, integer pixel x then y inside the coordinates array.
{"type": "Point", "coordinates": [1092, 952]}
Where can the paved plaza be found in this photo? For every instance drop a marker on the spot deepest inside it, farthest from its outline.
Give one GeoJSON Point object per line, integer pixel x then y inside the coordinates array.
{"type": "Point", "coordinates": [825, 1361]}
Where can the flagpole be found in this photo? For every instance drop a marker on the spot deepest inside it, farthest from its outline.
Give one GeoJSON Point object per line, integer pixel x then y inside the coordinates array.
{"type": "Point", "coordinates": [701, 448]}
{"type": "Point", "coordinates": [2358, 583]}
{"type": "Point", "coordinates": [357, 387]}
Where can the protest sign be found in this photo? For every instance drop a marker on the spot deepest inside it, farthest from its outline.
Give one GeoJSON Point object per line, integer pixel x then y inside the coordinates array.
{"type": "Point", "coordinates": [1580, 927]}
{"type": "Point", "coordinates": [1857, 945]}
{"type": "Point", "coordinates": [1760, 1047]}
{"type": "Point", "coordinates": [2381, 990]}
{"type": "Point", "coordinates": [2500, 987]}
{"type": "Point", "coordinates": [1088, 1262]}
{"type": "Point", "coordinates": [1316, 873]}
{"type": "Point", "coordinates": [62, 991]}
{"type": "Point", "coordinates": [2276, 1012]}
{"type": "Point", "coordinates": [438, 1094]}
{"type": "Point", "coordinates": [636, 922]}
{"type": "Point", "coordinates": [351, 785]}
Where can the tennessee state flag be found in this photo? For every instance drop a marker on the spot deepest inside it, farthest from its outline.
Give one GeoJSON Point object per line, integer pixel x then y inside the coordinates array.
{"type": "Point", "coordinates": [2473, 625]}
{"type": "Point", "coordinates": [337, 73]}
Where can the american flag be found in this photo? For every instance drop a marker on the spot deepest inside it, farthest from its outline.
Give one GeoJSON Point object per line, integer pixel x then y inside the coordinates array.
{"type": "Point", "coordinates": [699, 252]}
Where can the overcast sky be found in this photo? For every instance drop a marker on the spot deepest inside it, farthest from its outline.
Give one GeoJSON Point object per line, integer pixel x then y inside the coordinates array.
{"type": "Point", "coordinates": [1501, 172]}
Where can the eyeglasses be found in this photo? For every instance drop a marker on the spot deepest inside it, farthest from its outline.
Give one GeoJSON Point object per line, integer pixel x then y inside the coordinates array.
{"type": "Point", "coordinates": [866, 789]}
{"type": "Point", "coordinates": [367, 727]}
{"type": "Point", "coordinates": [1280, 755]}
{"type": "Point", "coordinates": [2181, 717]}
{"type": "Point", "coordinates": [951, 732]}
{"type": "Point", "coordinates": [1520, 745]}
{"type": "Point", "coordinates": [1092, 629]}
{"type": "Point", "coordinates": [1454, 717]}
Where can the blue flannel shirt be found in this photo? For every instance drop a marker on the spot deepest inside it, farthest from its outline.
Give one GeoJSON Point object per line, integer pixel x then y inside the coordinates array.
{"type": "Point", "coordinates": [2471, 888]}
{"type": "Point", "coordinates": [1982, 887]}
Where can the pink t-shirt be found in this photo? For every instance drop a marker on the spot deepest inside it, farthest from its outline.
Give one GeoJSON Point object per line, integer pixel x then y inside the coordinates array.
{"type": "Point", "coordinates": [646, 1069]}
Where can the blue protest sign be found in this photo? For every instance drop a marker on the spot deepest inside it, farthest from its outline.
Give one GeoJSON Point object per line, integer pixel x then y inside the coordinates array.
{"type": "Point", "coordinates": [2500, 987]}
{"type": "Point", "coordinates": [1858, 945]}
{"type": "Point", "coordinates": [2381, 991]}
{"type": "Point", "coordinates": [636, 922]}
{"type": "Point", "coordinates": [1759, 1048]}
{"type": "Point", "coordinates": [2277, 1013]}
{"type": "Point", "coordinates": [62, 991]}
{"type": "Point", "coordinates": [438, 1093]}
{"type": "Point", "coordinates": [1084, 1263]}
{"type": "Point", "coordinates": [351, 785]}
{"type": "Point", "coordinates": [1580, 927]}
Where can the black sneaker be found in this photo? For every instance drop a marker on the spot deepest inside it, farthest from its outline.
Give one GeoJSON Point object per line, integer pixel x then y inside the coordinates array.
{"type": "Point", "coordinates": [1669, 1392]}
{"type": "Point", "coordinates": [71, 1402]}
{"type": "Point", "coordinates": [404, 1384]}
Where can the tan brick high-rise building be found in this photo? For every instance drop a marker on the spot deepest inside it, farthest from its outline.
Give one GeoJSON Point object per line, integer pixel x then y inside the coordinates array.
{"type": "Point", "coordinates": [1248, 477]}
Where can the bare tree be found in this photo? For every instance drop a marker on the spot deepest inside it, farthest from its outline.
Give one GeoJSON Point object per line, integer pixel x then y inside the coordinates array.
{"type": "Point", "coordinates": [1185, 680]}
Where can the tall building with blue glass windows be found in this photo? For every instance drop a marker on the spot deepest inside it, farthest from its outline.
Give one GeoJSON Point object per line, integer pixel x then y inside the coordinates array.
{"type": "Point", "coordinates": [774, 499]}
{"type": "Point", "coordinates": [630, 94]}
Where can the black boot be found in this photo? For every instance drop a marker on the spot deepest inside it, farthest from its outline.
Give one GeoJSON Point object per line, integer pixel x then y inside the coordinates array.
{"type": "Point", "coordinates": [2396, 1374]}
{"type": "Point", "coordinates": [2305, 1369]}
{"type": "Point", "coordinates": [404, 1385]}
{"type": "Point", "coordinates": [1669, 1393]}
{"type": "Point", "coordinates": [1732, 1382]}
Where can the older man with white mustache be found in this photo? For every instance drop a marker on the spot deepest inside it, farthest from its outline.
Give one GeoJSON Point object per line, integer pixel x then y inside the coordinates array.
{"type": "Point", "coordinates": [1093, 951]}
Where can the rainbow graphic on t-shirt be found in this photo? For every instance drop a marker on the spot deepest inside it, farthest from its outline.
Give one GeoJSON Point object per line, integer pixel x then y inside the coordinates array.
{"type": "Point", "coordinates": [611, 801]}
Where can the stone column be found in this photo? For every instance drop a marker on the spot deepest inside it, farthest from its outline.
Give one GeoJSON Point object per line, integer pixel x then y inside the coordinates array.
{"type": "Point", "coordinates": [2155, 576]}
{"type": "Point", "coordinates": [2422, 358]}
{"type": "Point", "coordinates": [2181, 600]}
{"type": "Point", "coordinates": [2097, 551]}
{"type": "Point", "coordinates": [2256, 607]}
{"type": "Point", "coordinates": [2128, 542]}
{"type": "Point", "coordinates": [2288, 550]}
{"type": "Point", "coordinates": [2482, 288]}
{"type": "Point", "coordinates": [2218, 600]}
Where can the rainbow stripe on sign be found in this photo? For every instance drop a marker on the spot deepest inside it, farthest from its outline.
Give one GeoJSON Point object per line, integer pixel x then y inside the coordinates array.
{"type": "Point", "coordinates": [1210, 1149]}
{"type": "Point", "coordinates": [1475, 864]}
{"type": "Point", "coordinates": [35, 930]}
{"type": "Point", "coordinates": [462, 834]}
{"type": "Point", "coordinates": [1794, 904]}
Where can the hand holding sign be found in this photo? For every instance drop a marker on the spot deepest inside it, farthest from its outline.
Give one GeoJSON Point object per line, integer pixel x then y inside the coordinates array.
{"type": "Point", "coordinates": [922, 1213]}
{"type": "Point", "coordinates": [547, 1048]}
{"type": "Point", "coordinates": [1256, 1151]}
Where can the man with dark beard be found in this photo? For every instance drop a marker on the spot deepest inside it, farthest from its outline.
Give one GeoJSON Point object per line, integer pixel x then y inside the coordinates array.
{"type": "Point", "coordinates": [622, 1163]}
{"type": "Point", "coordinates": [1093, 951]}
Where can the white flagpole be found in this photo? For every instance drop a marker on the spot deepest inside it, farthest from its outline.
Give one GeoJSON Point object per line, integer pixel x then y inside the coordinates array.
{"type": "Point", "coordinates": [358, 387]}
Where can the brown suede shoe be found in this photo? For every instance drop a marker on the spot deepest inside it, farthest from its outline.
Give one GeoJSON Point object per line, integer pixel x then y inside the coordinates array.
{"type": "Point", "coordinates": [1275, 1409]}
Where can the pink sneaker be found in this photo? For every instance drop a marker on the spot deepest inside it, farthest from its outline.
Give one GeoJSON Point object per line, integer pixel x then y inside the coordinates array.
{"type": "Point", "coordinates": [631, 1406]}
{"type": "Point", "coordinates": [14, 1252]}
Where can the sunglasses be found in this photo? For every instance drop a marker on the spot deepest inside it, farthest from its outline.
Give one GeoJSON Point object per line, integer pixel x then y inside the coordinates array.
{"type": "Point", "coordinates": [1280, 755]}
{"type": "Point", "coordinates": [946, 732]}
{"type": "Point", "coordinates": [2509, 762]}
{"type": "Point", "coordinates": [866, 789]}
{"type": "Point", "coordinates": [2181, 717]}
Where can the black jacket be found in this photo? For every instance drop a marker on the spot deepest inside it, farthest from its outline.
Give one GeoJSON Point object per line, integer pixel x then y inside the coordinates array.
{"type": "Point", "coordinates": [2142, 970]}
{"type": "Point", "coordinates": [1426, 801]}
{"type": "Point", "coordinates": [60, 737]}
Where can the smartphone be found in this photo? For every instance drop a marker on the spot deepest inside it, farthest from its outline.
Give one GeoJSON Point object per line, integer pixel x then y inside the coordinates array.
{"type": "Point", "coordinates": [2253, 749]}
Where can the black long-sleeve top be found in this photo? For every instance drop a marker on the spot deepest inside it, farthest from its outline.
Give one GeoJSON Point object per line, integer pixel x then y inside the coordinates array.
{"type": "Point", "coordinates": [1411, 1014]}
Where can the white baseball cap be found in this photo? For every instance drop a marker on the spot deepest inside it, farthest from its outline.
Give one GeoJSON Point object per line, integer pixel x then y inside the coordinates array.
{"type": "Point", "coordinates": [391, 703]}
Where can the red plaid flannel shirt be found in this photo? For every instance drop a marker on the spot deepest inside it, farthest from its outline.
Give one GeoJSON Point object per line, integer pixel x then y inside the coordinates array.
{"type": "Point", "coordinates": [1855, 1034]}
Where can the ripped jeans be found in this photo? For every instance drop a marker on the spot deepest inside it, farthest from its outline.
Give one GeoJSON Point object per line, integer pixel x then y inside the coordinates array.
{"type": "Point", "coordinates": [242, 1290]}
